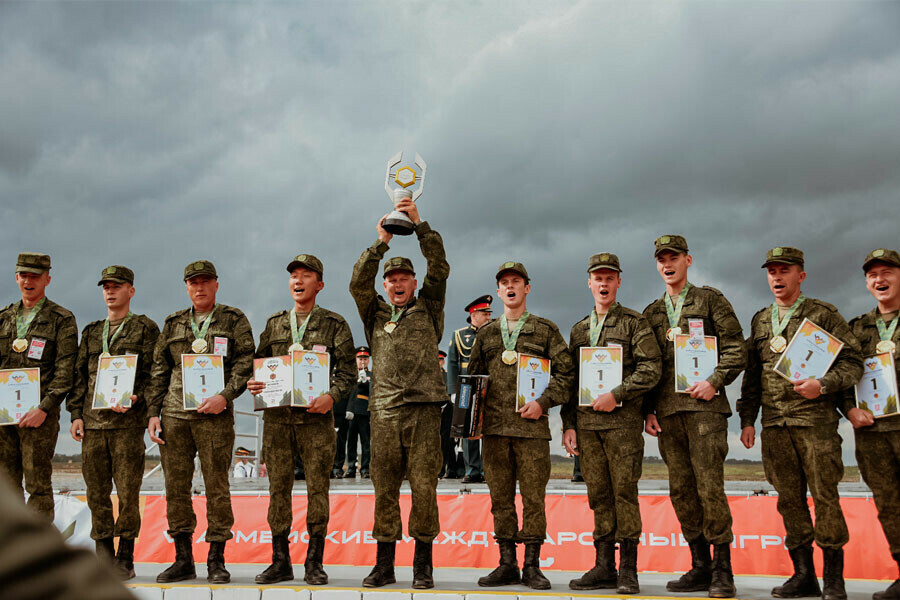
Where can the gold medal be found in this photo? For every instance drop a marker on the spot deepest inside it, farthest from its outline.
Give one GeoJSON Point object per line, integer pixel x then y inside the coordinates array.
{"type": "Point", "coordinates": [509, 357]}
{"type": "Point", "coordinates": [778, 344]}
{"type": "Point", "coordinates": [672, 332]}
{"type": "Point", "coordinates": [295, 348]}
{"type": "Point", "coordinates": [19, 344]}
{"type": "Point", "coordinates": [390, 326]}
{"type": "Point", "coordinates": [885, 347]}
{"type": "Point", "coordinates": [199, 346]}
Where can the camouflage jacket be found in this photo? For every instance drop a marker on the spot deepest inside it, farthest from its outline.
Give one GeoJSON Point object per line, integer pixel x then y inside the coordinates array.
{"type": "Point", "coordinates": [56, 326]}
{"type": "Point", "coordinates": [719, 320]}
{"type": "Point", "coordinates": [136, 336]}
{"type": "Point", "coordinates": [641, 369]}
{"type": "Point", "coordinates": [405, 366]}
{"type": "Point", "coordinates": [458, 355]}
{"type": "Point", "coordinates": [164, 392]}
{"type": "Point", "coordinates": [781, 405]}
{"type": "Point", "coordinates": [538, 337]}
{"type": "Point", "coordinates": [325, 328]}
{"type": "Point", "coordinates": [866, 333]}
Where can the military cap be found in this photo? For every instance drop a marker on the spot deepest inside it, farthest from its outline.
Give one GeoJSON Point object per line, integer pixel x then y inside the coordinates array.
{"type": "Point", "coordinates": [398, 263]}
{"type": "Point", "coordinates": [890, 257]}
{"type": "Point", "coordinates": [363, 351]}
{"type": "Point", "coordinates": [33, 262]}
{"type": "Point", "coordinates": [674, 243]}
{"type": "Point", "coordinates": [309, 261]}
{"type": "Point", "coordinates": [241, 451]}
{"type": "Point", "coordinates": [784, 254]}
{"type": "Point", "coordinates": [480, 303]}
{"type": "Point", "coordinates": [604, 260]}
{"type": "Point", "coordinates": [442, 354]}
{"type": "Point", "coordinates": [116, 273]}
{"type": "Point", "coordinates": [200, 267]}
{"type": "Point", "coordinates": [515, 267]}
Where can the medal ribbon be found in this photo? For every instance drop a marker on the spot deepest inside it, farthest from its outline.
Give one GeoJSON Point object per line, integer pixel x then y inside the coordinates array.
{"type": "Point", "coordinates": [22, 324]}
{"type": "Point", "coordinates": [596, 326]}
{"type": "Point", "coordinates": [884, 332]}
{"type": "Point", "coordinates": [109, 342]}
{"type": "Point", "coordinates": [778, 326]}
{"type": "Point", "coordinates": [200, 332]}
{"type": "Point", "coordinates": [509, 339]}
{"type": "Point", "coordinates": [297, 333]}
{"type": "Point", "coordinates": [396, 314]}
{"type": "Point", "coordinates": [674, 312]}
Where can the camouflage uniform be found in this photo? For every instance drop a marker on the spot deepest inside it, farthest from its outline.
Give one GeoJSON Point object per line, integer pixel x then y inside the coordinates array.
{"type": "Point", "coordinates": [113, 444]}
{"type": "Point", "coordinates": [289, 430]}
{"type": "Point", "coordinates": [407, 388]}
{"type": "Point", "coordinates": [612, 444]}
{"type": "Point", "coordinates": [189, 433]}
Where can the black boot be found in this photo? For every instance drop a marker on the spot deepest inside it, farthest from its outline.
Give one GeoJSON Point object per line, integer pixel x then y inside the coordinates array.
{"type": "Point", "coordinates": [183, 567]}
{"type": "Point", "coordinates": [315, 573]}
{"type": "Point", "coordinates": [383, 571]}
{"type": "Point", "coordinates": [281, 568]}
{"type": "Point", "coordinates": [698, 578]}
{"type": "Point", "coordinates": [507, 573]}
{"type": "Point", "coordinates": [603, 575]}
{"type": "Point", "coordinates": [422, 566]}
{"type": "Point", "coordinates": [803, 582]}
{"type": "Point", "coordinates": [124, 562]}
{"type": "Point", "coordinates": [215, 564]}
{"type": "Point", "coordinates": [106, 550]}
{"type": "Point", "coordinates": [350, 474]}
{"type": "Point", "coordinates": [531, 568]}
{"type": "Point", "coordinates": [833, 575]}
{"type": "Point", "coordinates": [722, 583]}
{"type": "Point", "coordinates": [893, 590]}
{"type": "Point", "coordinates": [628, 580]}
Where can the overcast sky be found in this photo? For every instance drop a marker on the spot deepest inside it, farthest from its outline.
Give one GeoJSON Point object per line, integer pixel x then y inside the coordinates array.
{"type": "Point", "coordinates": [153, 134]}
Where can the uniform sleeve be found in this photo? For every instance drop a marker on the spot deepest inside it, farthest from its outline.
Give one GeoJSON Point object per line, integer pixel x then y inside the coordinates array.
{"type": "Point", "coordinates": [242, 368]}
{"type": "Point", "coordinates": [160, 373]}
{"type": "Point", "coordinates": [846, 399]}
{"type": "Point", "coordinates": [648, 367]}
{"type": "Point", "coordinates": [64, 365]}
{"type": "Point", "coordinates": [562, 372]}
{"type": "Point", "coordinates": [751, 387]}
{"type": "Point", "coordinates": [343, 375]}
{"type": "Point", "coordinates": [652, 396]}
{"type": "Point", "coordinates": [75, 401]}
{"type": "Point", "coordinates": [477, 361]}
{"type": "Point", "coordinates": [265, 340]}
{"type": "Point", "coordinates": [452, 365]}
{"type": "Point", "coordinates": [434, 290]}
{"type": "Point", "coordinates": [847, 368]}
{"type": "Point", "coordinates": [569, 410]}
{"type": "Point", "coordinates": [362, 285]}
{"type": "Point", "coordinates": [732, 358]}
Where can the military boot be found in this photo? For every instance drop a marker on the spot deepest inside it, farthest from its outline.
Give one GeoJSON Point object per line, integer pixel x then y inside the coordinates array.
{"type": "Point", "coordinates": [531, 568]}
{"type": "Point", "coordinates": [507, 573]}
{"type": "Point", "coordinates": [106, 550]}
{"type": "Point", "coordinates": [124, 562]}
{"type": "Point", "coordinates": [698, 578]}
{"type": "Point", "coordinates": [722, 583]}
{"type": "Point", "coordinates": [603, 575]}
{"type": "Point", "coordinates": [315, 573]}
{"type": "Point", "coordinates": [183, 567]}
{"type": "Point", "coordinates": [628, 579]}
{"type": "Point", "coordinates": [215, 564]}
{"type": "Point", "coordinates": [281, 568]}
{"type": "Point", "coordinates": [893, 590]}
{"type": "Point", "coordinates": [803, 582]}
{"type": "Point", "coordinates": [422, 567]}
{"type": "Point", "coordinates": [383, 571]}
{"type": "Point", "coordinates": [833, 575]}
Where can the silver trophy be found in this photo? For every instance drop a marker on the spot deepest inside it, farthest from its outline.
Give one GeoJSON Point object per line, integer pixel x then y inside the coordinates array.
{"type": "Point", "coordinates": [398, 223]}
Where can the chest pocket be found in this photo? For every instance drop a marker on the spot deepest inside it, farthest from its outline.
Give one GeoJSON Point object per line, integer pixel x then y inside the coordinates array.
{"type": "Point", "coordinates": [698, 313]}
{"type": "Point", "coordinates": [42, 328]}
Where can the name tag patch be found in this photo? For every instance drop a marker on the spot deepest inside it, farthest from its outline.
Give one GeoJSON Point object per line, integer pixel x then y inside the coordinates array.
{"type": "Point", "coordinates": [36, 349]}
{"type": "Point", "coordinates": [220, 346]}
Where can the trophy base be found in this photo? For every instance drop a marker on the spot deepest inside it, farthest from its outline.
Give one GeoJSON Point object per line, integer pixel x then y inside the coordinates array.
{"type": "Point", "coordinates": [397, 223]}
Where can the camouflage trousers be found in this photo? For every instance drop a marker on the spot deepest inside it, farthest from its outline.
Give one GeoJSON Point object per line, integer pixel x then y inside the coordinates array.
{"type": "Point", "coordinates": [878, 456]}
{"type": "Point", "coordinates": [28, 452]}
{"type": "Point", "coordinates": [406, 440]}
{"type": "Point", "coordinates": [694, 445]}
{"type": "Point", "coordinates": [611, 464]}
{"type": "Point", "coordinates": [507, 459]}
{"type": "Point", "coordinates": [797, 457]}
{"type": "Point", "coordinates": [107, 456]}
{"type": "Point", "coordinates": [314, 440]}
{"type": "Point", "coordinates": [212, 438]}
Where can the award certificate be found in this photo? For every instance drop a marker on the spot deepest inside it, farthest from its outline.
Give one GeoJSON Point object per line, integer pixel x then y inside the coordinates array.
{"type": "Point", "coordinates": [876, 392]}
{"type": "Point", "coordinates": [599, 372]}
{"type": "Point", "coordinates": [809, 354]}
{"type": "Point", "coordinates": [278, 376]}
{"type": "Point", "coordinates": [115, 381]}
{"type": "Point", "coordinates": [202, 376]}
{"type": "Point", "coordinates": [695, 360]}
{"type": "Point", "coordinates": [20, 391]}
{"type": "Point", "coordinates": [312, 376]}
{"type": "Point", "coordinates": [532, 378]}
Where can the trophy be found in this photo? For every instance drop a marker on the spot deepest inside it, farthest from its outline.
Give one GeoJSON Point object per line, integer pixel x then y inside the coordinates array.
{"type": "Point", "coordinates": [398, 223]}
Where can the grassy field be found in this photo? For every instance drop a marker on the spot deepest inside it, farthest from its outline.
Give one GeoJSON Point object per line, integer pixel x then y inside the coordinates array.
{"type": "Point", "coordinates": [747, 471]}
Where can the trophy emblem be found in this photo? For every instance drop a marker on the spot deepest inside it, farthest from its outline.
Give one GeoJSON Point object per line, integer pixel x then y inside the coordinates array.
{"type": "Point", "coordinates": [398, 223]}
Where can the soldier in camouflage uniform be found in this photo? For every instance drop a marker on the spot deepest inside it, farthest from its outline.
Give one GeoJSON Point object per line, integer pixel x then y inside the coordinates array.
{"type": "Point", "coordinates": [693, 426]}
{"type": "Point", "coordinates": [608, 433]}
{"type": "Point", "coordinates": [208, 431]}
{"type": "Point", "coordinates": [36, 333]}
{"type": "Point", "coordinates": [516, 430]}
{"type": "Point", "coordinates": [407, 392]}
{"type": "Point", "coordinates": [800, 442]}
{"type": "Point", "coordinates": [309, 431]}
{"type": "Point", "coordinates": [112, 440]}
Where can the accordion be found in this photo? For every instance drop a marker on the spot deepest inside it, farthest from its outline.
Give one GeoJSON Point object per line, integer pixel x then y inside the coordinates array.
{"type": "Point", "coordinates": [468, 406]}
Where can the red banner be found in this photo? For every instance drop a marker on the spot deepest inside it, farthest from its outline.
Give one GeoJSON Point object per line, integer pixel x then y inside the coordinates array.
{"type": "Point", "coordinates": [466, 541]}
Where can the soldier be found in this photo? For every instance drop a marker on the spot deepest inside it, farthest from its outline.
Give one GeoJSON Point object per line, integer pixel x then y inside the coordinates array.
{"type": "Point", "coordinates": [36, 333]}
{"type": "Point", "coordinates": [453, 466]}
{"type": "Point", "coordinates": [112, 441]}
{"type": "Point", "coordinates": [608, 435]}
{"type": "Point", "coordinates": [693, 426]}
{"type": "Point", "coordinates": [309, 431]}
{"type": "Point", "coordinates": [479, 311]}
{"type": "Point", "coordinates": [878, 440]}
{"type": "Point", "coordinates": [342, 428]}
{"type": "Point", "coordinates": [207, 431]}
{"type": "Point", "coordinates": [517, 439]}
{"type": "Point", "coordinates": [407, 392]}
{"type": "Point", "coordinates": [358, 415]}
{"type": "Point", "coordinates": [800, 442]}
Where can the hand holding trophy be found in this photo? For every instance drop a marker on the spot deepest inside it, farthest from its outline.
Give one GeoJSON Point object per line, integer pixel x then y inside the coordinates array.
{"type": "Point", "coordinates": [399, 222]}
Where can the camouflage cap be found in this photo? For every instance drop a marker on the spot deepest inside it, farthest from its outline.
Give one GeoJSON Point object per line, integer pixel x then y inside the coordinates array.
{"type": "Point", "coordinates": [784, 254]}
{"type": "Point", "coordinates": [674, 243]}
{"type": "Point", "coordinates": [398, 263]}
{"type": "Point", "coordinates": [200, 267]}
{"type": "Point", "coordinates": [116, 273]}
{"type": "Point", "coordinates": [515, 267]}
{"type": "Point", "coordinates": [604, 260]}
{"type": "Point", "coordinates": [309, 261]}
{"type": "Point", "coordinates": [33, 262]}
{"type": "Point", "coordinates": [890, 257]}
